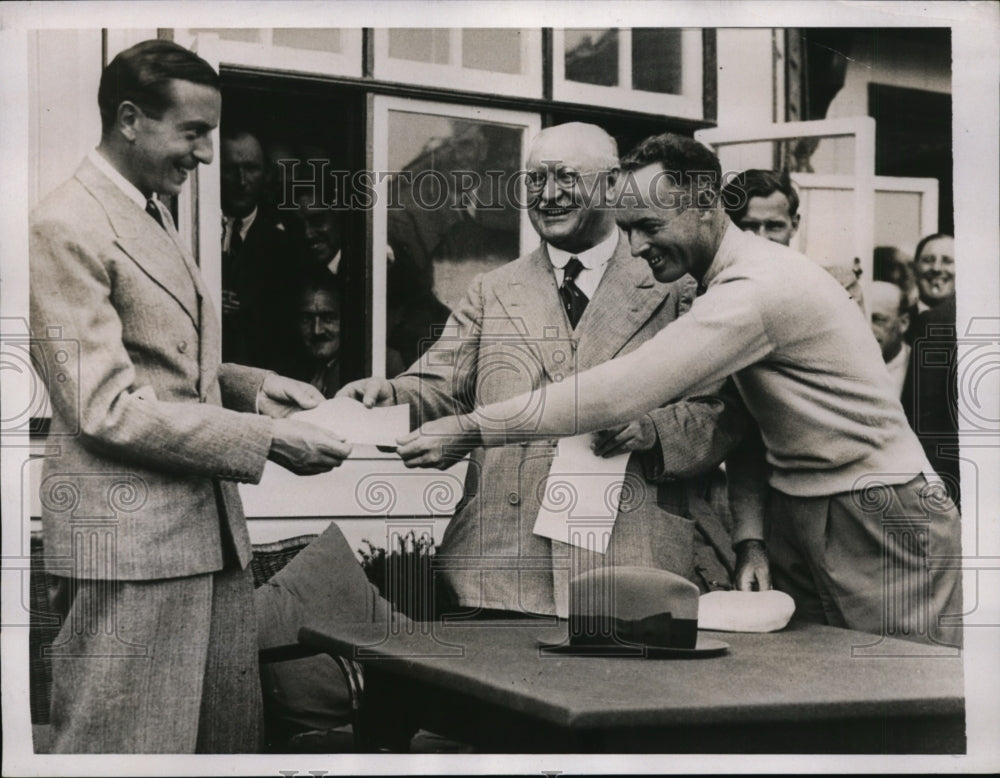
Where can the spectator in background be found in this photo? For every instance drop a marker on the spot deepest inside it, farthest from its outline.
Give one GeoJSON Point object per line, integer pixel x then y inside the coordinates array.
{"type": "Point", "coordinates": [930, 391]}
{"type": "Point", "coordinates": [896, 266]}
{"type": "Point", "coordinates": [934, 262]}
{"type": "Point", "coordinates": [320, 232]}
{"type": "Point", "coordinates": [890, 319]}
{"type": "Point", "coordinates": [313, 311]}
{"type": "Point", "coordinates": [765, 203]}
{"type": "Point", "coordinates": [255, 251]}
{"type": "Point", "coordinates": [314, 319]}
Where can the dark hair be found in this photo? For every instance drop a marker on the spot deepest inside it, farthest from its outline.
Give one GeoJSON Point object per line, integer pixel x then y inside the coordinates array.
{"type": "Point", "coordinates": [757, 183]}
{"type": "Point", "coordinates": [315, 279]}
{"type": "Point", "coordinates": [685, 161]}
{"type": "Point", "coordinates": [142, 75]}
{"type": "Point", "coordinates": [925, 240]}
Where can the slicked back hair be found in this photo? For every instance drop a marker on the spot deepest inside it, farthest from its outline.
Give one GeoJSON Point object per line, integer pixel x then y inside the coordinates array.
{"type": "Point", "coordinates": [142, 75]}
{"type": "Point", "coordinates": [687, 164]}
{"type": "Point", "coordinates": [927, 239]}
{"type": "Point", "coordinates": [737, 193]}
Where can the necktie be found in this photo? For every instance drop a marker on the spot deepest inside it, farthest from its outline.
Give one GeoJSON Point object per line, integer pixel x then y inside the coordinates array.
{"type": "Point", "coordinates": [574, 301]}
{"type": "Point", "coordinates": [236, 238]}
{"type": "Point", "coordinates": [153, 211]}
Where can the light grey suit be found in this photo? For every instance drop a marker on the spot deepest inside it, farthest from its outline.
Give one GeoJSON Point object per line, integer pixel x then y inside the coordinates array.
{"type": "Point", "coordinates": [139, 503]}
{"type": "Point", "coordinates": [511, 334]}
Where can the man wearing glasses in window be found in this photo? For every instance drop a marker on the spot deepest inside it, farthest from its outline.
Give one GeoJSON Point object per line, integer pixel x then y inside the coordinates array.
{"type": "Point", "coordinates": [575, 301]}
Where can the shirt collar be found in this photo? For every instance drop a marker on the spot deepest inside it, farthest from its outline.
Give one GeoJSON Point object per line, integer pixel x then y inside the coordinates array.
{"type": "Point", "coordinates": [727, 253]}
{"type": "Point", "coordinates": [246, 222]}
{"type": "Point", "coordinates": [592, 258]}
{"type": "Point", "coordinates": [101, 163]}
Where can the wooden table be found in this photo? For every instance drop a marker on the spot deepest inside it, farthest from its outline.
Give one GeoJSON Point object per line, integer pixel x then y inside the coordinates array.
{"type": "Point", "coordinates": [806, 689]}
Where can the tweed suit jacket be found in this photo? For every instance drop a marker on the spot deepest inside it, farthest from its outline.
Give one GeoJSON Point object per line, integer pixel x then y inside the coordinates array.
{"type": "Point", "coordinates": [141, 481]}
{"type": "Point", "coordinates": [509, 335]}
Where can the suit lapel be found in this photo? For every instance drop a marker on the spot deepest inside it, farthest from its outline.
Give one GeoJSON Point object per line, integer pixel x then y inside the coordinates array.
{"type": "Point", "coordinates": [626, 298]}
{"type": "Point", "coordinates": [531, 301]}
{"type": "Point", "coordinates": [158, 252]}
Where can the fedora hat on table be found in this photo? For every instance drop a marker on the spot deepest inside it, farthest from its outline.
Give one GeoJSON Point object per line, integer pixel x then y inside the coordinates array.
{"type": "Point", "coordinates": [639, 612]}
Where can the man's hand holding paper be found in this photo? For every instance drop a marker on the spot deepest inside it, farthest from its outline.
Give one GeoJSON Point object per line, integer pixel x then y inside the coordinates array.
{"type": "Point", "coordinates": [581, 495]}
{"type": "Point", "coordinates": [360, 425]}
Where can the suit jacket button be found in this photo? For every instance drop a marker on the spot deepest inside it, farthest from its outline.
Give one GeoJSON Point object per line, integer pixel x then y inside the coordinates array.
{"type": "Point", "coordinates": [182, 346]}
{"type": "Point", "coordinates": [513, 498]}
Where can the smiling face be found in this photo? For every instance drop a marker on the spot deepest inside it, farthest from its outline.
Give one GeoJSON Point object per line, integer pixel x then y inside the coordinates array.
{"type": "Point", "coordinates": [319, 324]}
{"type": "Point", "coordinates": [664, 228]}
{"type": "Point", "coordinates": [162, 150]}
{"type": "Point", "coordinates": [576, 163]}
{"type": "Point", "coordinates": [767, 217]}
{"type": "Point", "coordinates": [936, 270]}
{"type": "Point", "coordinates": [319, 230]}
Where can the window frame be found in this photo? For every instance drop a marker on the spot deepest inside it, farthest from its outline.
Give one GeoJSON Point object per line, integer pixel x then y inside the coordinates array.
{"type": "Point", "coordinates": [380, 107]}
{"type": "Point", "coordinates": [454, 75]}
{"type": "Point", "coordinates": [266, 55]}
{"type": "Point", "coordinates": [687, 105]}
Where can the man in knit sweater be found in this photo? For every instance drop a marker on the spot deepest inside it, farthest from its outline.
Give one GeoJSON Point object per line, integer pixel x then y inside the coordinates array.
{"type": "Point", "coordinates": [860, 533]}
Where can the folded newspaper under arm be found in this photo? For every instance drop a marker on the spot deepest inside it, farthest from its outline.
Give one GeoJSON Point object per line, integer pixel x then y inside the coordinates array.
{"type": "Point", "coordinates": [359, 425]}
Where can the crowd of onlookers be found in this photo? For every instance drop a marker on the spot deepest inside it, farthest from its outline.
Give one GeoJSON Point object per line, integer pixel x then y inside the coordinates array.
{"type": "Point", "coordinates": [284, 273]}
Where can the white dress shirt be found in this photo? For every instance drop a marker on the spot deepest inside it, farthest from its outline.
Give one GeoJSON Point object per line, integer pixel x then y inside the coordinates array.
{"type": "Point", "coordinates": [594, 261]}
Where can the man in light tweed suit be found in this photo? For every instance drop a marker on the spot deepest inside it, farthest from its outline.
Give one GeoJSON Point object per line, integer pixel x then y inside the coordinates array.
{"type": "Point", "coordinates": [576, 301]}
{"type": "Point", "coordinates": [144, 532]}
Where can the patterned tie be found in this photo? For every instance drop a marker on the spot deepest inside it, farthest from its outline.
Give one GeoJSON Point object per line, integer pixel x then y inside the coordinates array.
{"type": "Point", "coordinates": [153, 211]}
{"type": "Point", "coordinates": [574, 301]}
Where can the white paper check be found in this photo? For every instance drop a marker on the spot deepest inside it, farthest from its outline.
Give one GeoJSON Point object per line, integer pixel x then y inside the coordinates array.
{"type": "Point", "coordinates": [357, 424]}
{"type": "Point", "coordinates": [580, 502]}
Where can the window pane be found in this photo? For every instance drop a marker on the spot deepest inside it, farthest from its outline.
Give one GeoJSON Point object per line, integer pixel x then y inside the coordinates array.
{"type": "Point", "coordinates": [656, 60]}
{"type": "Point", "coordinates": [497, 50]}
{"type": "Point", "coordinates": [592, 56]}
{"type": "Point", "coordinates": [828, 155]}
{"type": "Point", "coordinates": [241, 34]}
{"type": "Point", "coordinates": [449, 217]}
{"type": "Point", "coordinates": [419, 45]}
{"type": "Point", "coordinates": [317, 39]}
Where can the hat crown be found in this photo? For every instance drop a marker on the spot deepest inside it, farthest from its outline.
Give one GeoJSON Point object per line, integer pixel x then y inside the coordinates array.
{"type": "Point", "coordinates": [633, 605]}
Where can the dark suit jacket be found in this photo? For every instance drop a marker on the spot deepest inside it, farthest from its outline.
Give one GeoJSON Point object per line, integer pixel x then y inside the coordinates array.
{"type": "Point", "coordinates": [930, 392]}
{"type": "Point", "coordinates": [511, 334]}
{"type": "Point", "coordinates": [142, 480]}
{"type": "Point", "coordinates": [262, 271]}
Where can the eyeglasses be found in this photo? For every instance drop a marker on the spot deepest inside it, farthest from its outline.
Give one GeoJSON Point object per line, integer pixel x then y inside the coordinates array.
{"type": "Point", "coordinates": [565, 178]}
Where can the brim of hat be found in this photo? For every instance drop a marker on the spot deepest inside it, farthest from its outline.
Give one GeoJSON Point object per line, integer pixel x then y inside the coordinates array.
{"type": "Point", "coordinates": [704, 648]}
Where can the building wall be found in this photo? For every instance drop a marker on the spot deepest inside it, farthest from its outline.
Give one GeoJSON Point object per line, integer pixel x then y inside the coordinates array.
{"type": "Point", "coordinates": [887, 59]}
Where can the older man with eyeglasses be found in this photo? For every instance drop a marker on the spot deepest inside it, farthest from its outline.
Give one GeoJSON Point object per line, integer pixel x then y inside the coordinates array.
{"type": "Point", "coordinates": [575, 301]}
